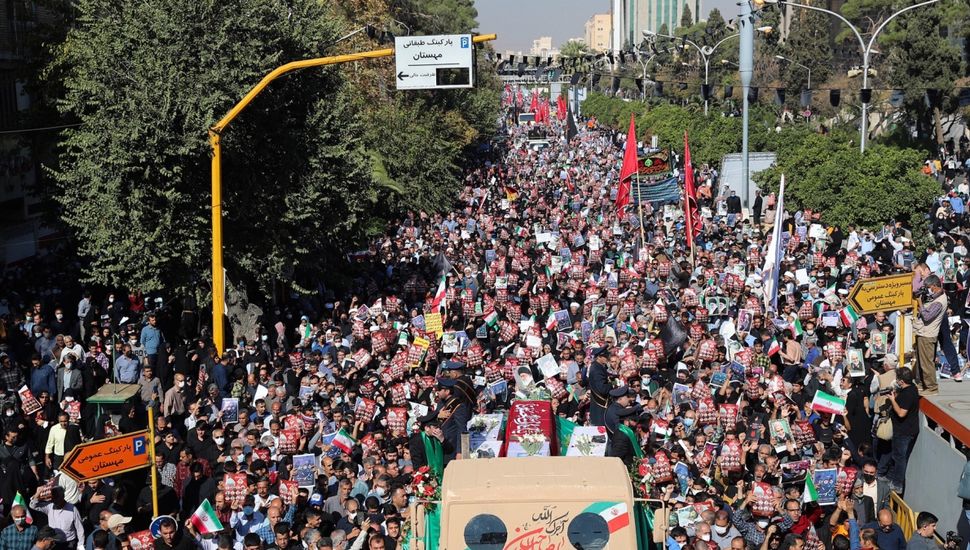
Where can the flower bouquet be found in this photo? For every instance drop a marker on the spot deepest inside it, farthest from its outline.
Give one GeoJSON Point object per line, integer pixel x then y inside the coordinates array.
{"type": "Point", "coordinates": [426, 486]}
{"type": "Point", "coordinates": [532, 443]}
{"type": "Point", "coordinates": [584, 443]}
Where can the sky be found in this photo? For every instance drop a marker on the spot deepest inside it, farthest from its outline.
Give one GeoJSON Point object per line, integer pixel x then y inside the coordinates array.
{"type": "Point", "coordinates": [519, 22]}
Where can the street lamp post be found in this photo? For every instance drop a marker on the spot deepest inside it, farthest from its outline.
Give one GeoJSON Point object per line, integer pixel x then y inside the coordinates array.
{"type": "Point", "coordinates": [704, 51]}
{"type": "Point", "coordinates": [215, 139]}
{"type": "Point", "coordinates": [793, 62]}
{"type": "Point", "coordinates": [866, 52]}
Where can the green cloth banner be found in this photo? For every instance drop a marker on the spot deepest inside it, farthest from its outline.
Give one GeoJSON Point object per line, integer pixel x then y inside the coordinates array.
{"type": "Point", "coordinates": [564, 432]}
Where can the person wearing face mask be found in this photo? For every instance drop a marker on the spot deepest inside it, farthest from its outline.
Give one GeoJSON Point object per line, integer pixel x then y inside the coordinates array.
{"type": "Point", "coordinates": [246, 519]}
{"type": "Point", "coordinates": [722, 532]}
{"type": "Point", "coordinates": [754, 531]}
{"type": "Point", "coordinates": [69, 377]}
{"type": "Point", "coordinates": [18, 535]}
{"type": "Point", "coordinates": [174, 402]}
{"type": "Point", "coordinates": [876, 489]}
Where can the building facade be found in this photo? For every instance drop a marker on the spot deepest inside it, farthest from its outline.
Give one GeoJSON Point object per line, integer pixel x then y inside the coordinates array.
{"type": "Point", "coordinates": [598, 29]}
{"type": "Point", "coordinates": [631, 17]}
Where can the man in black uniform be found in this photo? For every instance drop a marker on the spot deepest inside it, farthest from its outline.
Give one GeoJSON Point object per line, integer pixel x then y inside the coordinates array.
{"type": "Point", "coordinates": [622, 398]}
{"type": "Point", "coordinates": [432, 429]}
{"type": "Point", "coordinates": [597, 379]}
{"type": "Point", "coordinates": [623, 446]}
{"type": "Point", "coordinates": [454, 412]}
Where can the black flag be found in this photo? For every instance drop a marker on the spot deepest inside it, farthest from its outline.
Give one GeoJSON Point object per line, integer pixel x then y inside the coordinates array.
{"type": "Point", "coordinates": [571, 129]}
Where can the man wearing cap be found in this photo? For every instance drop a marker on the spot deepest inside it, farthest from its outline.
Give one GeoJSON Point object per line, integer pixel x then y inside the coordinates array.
{"type": "Point", "coordinates": [626, 445]}
{"type": "Point", "coordinates": [622, 398]}
{"type": "Point", "coordinates": [429, 447]}
{"type": "Point", "coordinates": [596, 377]}
{"type": "Point", "coordinates": [926, 325]}
{"type": "Point", "coordinates": [454, 411]}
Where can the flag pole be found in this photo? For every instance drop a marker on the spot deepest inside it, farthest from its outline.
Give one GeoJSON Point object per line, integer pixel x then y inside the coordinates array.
{"type": "Point", "coordinates": [640, 209]}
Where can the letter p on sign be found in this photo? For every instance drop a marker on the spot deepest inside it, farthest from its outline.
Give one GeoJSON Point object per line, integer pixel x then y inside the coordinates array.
{"type": "Point", "coordinates": [140, 445]}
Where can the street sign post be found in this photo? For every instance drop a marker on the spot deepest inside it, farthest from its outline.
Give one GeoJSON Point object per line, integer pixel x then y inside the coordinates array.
{"type": "Point", "coordinates": [108, 457]}
{"type": "Point", "coordinates": [435, 62]}
{"type": "Point", "coordinates": [889, 293]}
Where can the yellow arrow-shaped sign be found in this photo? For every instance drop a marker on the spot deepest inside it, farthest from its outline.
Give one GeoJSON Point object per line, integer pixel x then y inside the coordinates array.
{"type": "Point", "coordinates": [889, 293]}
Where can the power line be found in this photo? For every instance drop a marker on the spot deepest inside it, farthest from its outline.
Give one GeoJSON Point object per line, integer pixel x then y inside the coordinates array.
{"type": "Point", "coordinates": [42, 129]}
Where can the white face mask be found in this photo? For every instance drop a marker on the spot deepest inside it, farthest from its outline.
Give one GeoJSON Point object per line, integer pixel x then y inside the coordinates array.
{"type": "Point", "coordinates": [219, 440]}
{"type": "Point", "coordinates": [721, 530]}
{"type": "Point", "coordinates": [763, 524]}
{"type": "Point", "coordinates": [111, 300]}
{"type": "Point", "coordinates": [20, 521]}
{"type": "Point", "coordinates": [706, 537]}
{"type": "Point", "coordinates": [351, 516]}
{"type": "Point", "coordinates": [59, 316]}
{"type": "Point", "coordinates": [180, 383]}
{"type": "Point", "coordinates": [10, 413]}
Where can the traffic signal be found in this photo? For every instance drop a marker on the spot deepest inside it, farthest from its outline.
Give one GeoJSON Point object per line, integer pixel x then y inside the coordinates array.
{"type": "Point", "coordinates": [865, 95]}
{"type": "Point", "coordinates": [706, 91]}
{"type": "Point", "coordinates": [835, 97]}
{"type": "Point", "coordinates": [728, 91]}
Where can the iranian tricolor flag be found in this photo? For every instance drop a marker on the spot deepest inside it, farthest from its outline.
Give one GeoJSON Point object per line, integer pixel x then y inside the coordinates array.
{"type": "Point", "coordinates": [849, 316]}
{"type": "Point", "coordinates": [615, 513]}
{"type": "Point", "coordinates": [491, 318]}
{"type": "Point", "coordinates": [826, 403]}
{"type": "Point", "coordinates": [18, 500]}
{"type": "Point", "coordinates": [809, 494]}
{"type": "Point", "coordinates": [344, 441]}
{"type": "Point", "coordinates": [205, 520]}
{"type": "Point", "coordinates": [551, 320]}
{"type": "Point", "coordinates": [773, 347]}
{"type": "Point", "coordinates": [437, 304]}
{"type": "Point", "coordinates": [796, 328]}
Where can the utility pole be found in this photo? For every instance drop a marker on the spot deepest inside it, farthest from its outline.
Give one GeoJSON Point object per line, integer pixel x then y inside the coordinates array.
{"type": "Point", "coordinates": [746, 70]}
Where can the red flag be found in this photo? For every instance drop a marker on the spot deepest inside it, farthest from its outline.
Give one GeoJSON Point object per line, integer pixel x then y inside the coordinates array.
{"type": "Point", "coordinates": [628, 168]}
{"type": "Point", "coordinates": [561, 108]}
{"type": "Point", "coordinates": [545, 111]}
{"type": "Point", "coordinates": [692, 219]}
{"type": "Point", "coordinates": [518, 97]}
{"type": "Point", "coordinates": [535, 102]}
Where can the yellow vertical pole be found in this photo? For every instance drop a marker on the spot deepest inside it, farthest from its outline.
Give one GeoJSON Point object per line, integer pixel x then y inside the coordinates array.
{"type": "Point", "coordinates": [218, 280]}
{"type": "Point", "coordinates": [151, 458]}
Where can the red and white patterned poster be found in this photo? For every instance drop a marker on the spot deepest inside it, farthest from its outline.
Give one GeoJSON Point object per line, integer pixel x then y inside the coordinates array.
{"type": "Point", "coordinates": [235, 486]}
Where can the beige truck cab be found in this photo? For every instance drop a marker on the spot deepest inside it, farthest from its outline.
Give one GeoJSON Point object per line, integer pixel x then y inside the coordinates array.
{"type": "Point", "coordinates": [533, 503]}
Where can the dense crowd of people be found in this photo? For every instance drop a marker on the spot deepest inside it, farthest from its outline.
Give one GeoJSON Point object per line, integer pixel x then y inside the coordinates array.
{"type": "Point", "coordinates": [674, 344]}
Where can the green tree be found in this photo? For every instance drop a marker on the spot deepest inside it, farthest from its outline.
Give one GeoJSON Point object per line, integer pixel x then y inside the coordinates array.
{"type": "Point", "coordinates": [808, 43]}
{"type": "Point", "coordinates": [921, 59]}
{"type": "Point", "coordinates": [827, 174]}
{"type": "Point", "coordinates": [146, 79]}
{"type": "Point", "coordinates": [686, 17]}
{"type": "Point", "coordinates": [574, 48]}
{"type": "Point", "coordinates": [436, 16]}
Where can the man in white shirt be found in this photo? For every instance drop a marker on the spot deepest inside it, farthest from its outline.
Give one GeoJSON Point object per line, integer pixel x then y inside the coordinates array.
{"type": "Point", "coordinates": [63, 517]}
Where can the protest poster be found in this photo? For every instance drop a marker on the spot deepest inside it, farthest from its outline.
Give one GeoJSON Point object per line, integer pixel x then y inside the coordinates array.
{"type": "Point", "coordinates": [306, 392]}
{"type": "Point", "coordinates": [825, 481]}
{"type": "Point", "coordinates": [563, 322]}
{"type": "Point", "coordinates": [731, 455]}
{"type": "Point", "coordinates": [28, 402]}
{"type": "Point", "coordinates": [289, 441]}
{"type": "Point", "coordinates": [229, 412]}
{"type": "Point", "coordinates": [73, 410]}
{"type": "Point", "coordinates": [303, 469]}
{"type": "Point", "coordinates": [764, 500]}
{"type": "Point", "coordinates": [547, 366]}
{"type": "Point", "coordinates": [845, 480]}
{"type": "Point", "coordinates": [397, 419]}
{"type": "Point", "coordinates": [289, 490]}
{"type": "Point", "coordinates": [432, 323]}
{"type": "Point", "coordinates": [141, 540]}
{"type": "Point", "coordinates": [236, 487]}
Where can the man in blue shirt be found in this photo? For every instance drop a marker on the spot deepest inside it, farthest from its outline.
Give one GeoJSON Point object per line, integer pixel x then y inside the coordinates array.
{"type": "Point", "coordinates": [126, 367]}
{"type": "Point", "coordinates": [152, 338]}
{"type": "Point", "coordinates": [42, 376]}
{"type": "Point", "coordinates": [889, 536]}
